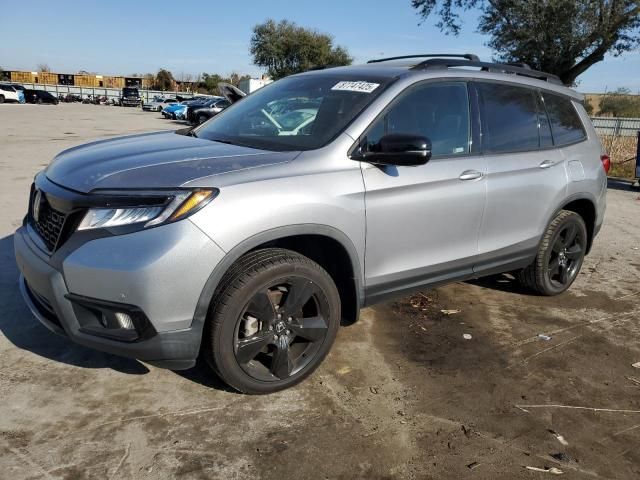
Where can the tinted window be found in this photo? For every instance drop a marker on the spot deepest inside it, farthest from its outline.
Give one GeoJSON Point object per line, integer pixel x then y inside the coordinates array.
{"type": "Point", "coordinates": [565, 122]}
{"type": "Point", "coordinates": [510, 122]}
{"type": "Point", "coordinates": [439, 112]}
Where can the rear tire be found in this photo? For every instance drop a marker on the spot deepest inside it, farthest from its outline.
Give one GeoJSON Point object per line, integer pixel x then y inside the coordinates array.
{"type": "Point", "coordinates": [202, 119]}
{"type": "Point", "coordinates": [272, 321]}
{"type": "Point", "coordinates": [1, 98]}
{"type": "Point", "coordinates": [560, 256]}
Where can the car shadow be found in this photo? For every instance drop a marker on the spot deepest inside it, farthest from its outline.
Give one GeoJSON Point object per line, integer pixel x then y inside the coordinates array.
{"type": "Point", "coordinates": [503, 282]}
{"type": "Point", "coordinates": [203, 375]}
{"type": "Point", "coordinates": [620, 184]}
{"type": "Point", "coordinates": [22, 329]}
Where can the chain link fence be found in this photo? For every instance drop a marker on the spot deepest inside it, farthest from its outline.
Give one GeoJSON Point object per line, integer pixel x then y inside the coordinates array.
{"type": "Point", "coordinates": [620, 137]}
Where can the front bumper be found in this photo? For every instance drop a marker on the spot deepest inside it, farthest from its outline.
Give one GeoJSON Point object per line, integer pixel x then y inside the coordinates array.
{"type": "Point", "coordinates": [158, 270]}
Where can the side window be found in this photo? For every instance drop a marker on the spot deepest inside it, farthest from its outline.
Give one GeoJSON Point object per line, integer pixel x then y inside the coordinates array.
{"type": "Point", "coordinates": [565, 122]}
{"type": "Point", "coordinates": [438, 111]}
{"type": "Point", "coordinates": [510, 121]}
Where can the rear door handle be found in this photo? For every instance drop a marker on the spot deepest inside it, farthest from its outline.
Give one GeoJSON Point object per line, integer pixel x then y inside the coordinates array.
{"type": "Point", "coordinates": [470, 175]}
{"type": "Point", "coordinates": [548, 164]}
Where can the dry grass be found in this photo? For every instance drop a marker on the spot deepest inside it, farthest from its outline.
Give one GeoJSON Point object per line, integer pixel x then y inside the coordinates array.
{"type": "Point", "coordinates": [622, 151]}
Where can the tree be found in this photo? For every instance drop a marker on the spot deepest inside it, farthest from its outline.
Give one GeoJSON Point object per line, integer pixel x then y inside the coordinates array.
{"type": "Point", "coordinates": [43, 67]}
{"type": "Point", "coordinates": [620, 103]}
{"type": "Point", "coordinates": [284, 48]}
{"type": "Point", "coordinates": [564, 37]}
{"type": "Point", "coordinates": [164, 80]}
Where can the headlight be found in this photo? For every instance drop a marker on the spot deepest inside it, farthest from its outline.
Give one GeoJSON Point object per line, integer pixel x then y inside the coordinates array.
{"type": "Point", "coordinates": [180, 206]}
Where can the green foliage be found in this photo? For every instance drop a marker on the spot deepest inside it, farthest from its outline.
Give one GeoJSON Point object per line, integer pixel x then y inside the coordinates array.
{"type": "Point", "coordinates": [588, 106]}
{"type": "Point", "coordinates": [620, 104]}
{"type": "Point", "coordinates": [209, 81]}
{"type": "Point", "coordinates": [285, 48]}
{"type": "Point", "coordinates": [164, 80]}
{"type": "Point", "coordinates": [564, 37]}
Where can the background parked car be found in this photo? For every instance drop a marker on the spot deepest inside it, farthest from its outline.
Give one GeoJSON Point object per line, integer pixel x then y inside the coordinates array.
{"type": "Point", "coordinates": [170, 110]}
{"type": "Point", "coordinates": [39, 96]}
{"type": "Point", "coordinates": [157, 104]}
{"type": "Point", "coordinates": [130, 97]}
{"type": "Point", "coordinates": [9, 94]}
{"type": "Point", "coordinates": [201, 114]}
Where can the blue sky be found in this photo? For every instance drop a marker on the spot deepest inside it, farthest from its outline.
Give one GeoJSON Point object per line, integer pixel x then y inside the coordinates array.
{"type": "Point", "coordinates": [123, 37]}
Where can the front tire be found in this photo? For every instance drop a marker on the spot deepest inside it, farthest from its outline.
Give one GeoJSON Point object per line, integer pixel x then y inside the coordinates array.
{"type": "Point", "coordinates": [560, 256]}
{"type": "Point", "coordinates": [272, 321]}
{"type": "Point", "coordinates": [202, 119]}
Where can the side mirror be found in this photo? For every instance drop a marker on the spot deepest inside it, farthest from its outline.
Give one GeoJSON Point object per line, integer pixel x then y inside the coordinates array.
{"type": "Point", "coordinates": [398, 149]}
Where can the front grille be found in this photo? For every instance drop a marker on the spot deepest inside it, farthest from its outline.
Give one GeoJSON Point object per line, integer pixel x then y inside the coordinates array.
{"type": "Point", "coordinates": [49, 225]}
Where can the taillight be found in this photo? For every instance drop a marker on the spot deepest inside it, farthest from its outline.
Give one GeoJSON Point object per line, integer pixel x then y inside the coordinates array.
{"type": "Point", "coordinates": [606, 163]}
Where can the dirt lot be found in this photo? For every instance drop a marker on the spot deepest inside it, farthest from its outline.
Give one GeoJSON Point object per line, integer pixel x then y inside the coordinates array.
{"type": "Point", "coordinates": [402, 395]}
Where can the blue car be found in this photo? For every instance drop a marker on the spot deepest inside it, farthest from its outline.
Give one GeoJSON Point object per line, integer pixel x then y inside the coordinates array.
{"type": "Point", "coordinates": [172, 111]}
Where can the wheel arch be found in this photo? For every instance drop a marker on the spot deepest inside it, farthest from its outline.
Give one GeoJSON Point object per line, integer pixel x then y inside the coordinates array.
{"type": "Point", "coordinates": [586, 208]}
{"type": "Point", "coordinates": [326, 245]}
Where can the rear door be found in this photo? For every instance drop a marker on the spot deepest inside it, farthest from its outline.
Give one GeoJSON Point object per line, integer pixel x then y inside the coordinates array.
{"type": "Point", "coordinates": [526, 178]}
{"type": "Point", "coordinates": [423, 221]}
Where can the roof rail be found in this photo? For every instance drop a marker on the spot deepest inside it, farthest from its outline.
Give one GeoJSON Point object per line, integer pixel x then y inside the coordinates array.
{"type": "Point", "coordinates": [468, 56]}
{"type": "Point", "coordinates": [437, 63]}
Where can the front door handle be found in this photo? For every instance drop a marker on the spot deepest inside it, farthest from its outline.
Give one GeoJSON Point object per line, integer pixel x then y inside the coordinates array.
{"type": "Point", "coordinates": [547, 164]}
{"type": "Point", "coordinates": [470, 175]}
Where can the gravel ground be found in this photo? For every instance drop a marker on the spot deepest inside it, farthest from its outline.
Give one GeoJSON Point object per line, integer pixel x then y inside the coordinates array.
{"type": "Point", "coordinates": [402, 395]}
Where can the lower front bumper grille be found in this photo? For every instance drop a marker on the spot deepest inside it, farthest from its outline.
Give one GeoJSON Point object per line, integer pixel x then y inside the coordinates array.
{"type": "Point", "coordinates": [42, 304]}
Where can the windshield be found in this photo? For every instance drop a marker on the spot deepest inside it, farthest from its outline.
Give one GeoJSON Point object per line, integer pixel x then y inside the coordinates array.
{"type": "Point", "coordinates": [297, 113]}
{"type": "Point", "coordinates": [130, 92]}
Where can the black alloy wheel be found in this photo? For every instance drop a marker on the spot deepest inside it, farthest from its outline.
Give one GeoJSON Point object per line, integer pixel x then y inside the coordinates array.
{"type": "Point", "coordinates": [560, 255]}
{"type": "Point", "coordinates": [566, 255]}
{"type": "Point", "coordinates": [281, 329]}
{"type": "Point", "coordinates": [272, 321]}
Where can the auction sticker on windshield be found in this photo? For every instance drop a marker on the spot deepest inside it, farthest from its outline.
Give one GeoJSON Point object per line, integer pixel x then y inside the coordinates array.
{"type": "Point", "coordinates": [363, 87]}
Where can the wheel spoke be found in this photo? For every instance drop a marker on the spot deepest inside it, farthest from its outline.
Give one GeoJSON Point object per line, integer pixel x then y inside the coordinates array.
{"type": "Point", "coordinates": [282, 364]}
{"type": "Point", "coordinates": [558, 245]}
{"type": "Point", "coordinates": [575, 252]}
{"type": "Point", "coordinates": [570, 236]}
{"type": "Point", "coordinates": [299, 293]}
{"type": "Point", "coordinates": [262, 307]}
{"type": "Point", "coordinates": [564, 274]}
{"type": "Point", "coordinates": [248, 348]}
{"type": "Point", "coordinates": [312, 328]}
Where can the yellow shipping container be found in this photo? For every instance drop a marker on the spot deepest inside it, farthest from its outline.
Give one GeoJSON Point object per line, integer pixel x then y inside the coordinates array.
{"type": "Point", "coordinates": [48, 78]}
{"type": "Point", "coordinates": [22, 77]}
{"type": "Point", "coordinates": [85, 81]}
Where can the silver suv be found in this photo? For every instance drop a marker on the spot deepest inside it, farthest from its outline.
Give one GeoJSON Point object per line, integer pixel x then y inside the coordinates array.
{"type": "Point", "coordinates": [250, 238]}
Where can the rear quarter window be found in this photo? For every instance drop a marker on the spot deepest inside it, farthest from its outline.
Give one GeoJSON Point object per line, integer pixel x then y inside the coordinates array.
{"type": "Point", "coordinates": [566, 125]}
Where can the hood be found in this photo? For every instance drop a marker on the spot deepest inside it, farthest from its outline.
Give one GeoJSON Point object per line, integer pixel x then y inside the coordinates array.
{"type": "Point", "coordinates": [153, 160]}
{"type": "Point", "coordinates": [231, 93]}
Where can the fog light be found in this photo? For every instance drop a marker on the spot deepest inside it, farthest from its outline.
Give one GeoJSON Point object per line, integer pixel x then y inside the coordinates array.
{"type": "Point", "coordinates": [117, 321]}
{"type": "Point", "coordinates": [124, 320]}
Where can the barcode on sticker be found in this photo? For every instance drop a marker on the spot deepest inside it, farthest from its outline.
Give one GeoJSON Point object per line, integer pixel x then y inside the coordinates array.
{"type": "Point", "coordinates": [363, 87]}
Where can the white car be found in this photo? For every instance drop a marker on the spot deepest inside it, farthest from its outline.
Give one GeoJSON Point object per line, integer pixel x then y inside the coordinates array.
{"type": "Point", "coordinates": [158, 104]}
{"type": "Point", "coordinates": [8, 93]}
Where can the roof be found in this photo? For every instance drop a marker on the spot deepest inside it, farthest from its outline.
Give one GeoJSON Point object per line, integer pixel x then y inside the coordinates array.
{"type": "Point", "coordinates": [453, 66]}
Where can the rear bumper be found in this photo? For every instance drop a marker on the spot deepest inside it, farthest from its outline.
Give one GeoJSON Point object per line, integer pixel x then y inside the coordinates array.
{"type": "Point", "coordinates": [46, 292]}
